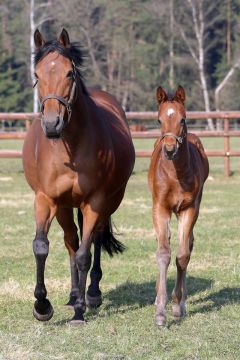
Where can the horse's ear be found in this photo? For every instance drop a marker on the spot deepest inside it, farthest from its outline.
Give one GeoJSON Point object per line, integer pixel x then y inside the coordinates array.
{"type": "Point", "coordinates": [161, 95]}
{"type": "Point", "coordinates": [38, 39]}
{"type": "Point", "coordinates": [180, 94]}
{"type": "Point", "coordinates": [64, 38]}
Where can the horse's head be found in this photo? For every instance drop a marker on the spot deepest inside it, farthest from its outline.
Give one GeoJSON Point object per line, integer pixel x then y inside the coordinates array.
{"type": "Point", "coordinates": [56, 77]}
{"type": "Point", "coordinates": [172, 118]}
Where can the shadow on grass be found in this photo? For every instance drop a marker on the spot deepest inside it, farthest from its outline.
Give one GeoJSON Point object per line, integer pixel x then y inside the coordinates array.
{"type": "Point", "coordinates": [143, 294]}
{"type": "Point", "coordinates": [215, 301]}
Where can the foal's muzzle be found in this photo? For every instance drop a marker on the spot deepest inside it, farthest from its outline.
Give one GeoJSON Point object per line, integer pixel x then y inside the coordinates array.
{"type": "Point", "coordinates": [170, 151]}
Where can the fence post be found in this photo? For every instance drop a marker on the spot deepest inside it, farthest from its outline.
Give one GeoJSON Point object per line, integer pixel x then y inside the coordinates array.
{"type": "Point", "coordinates": [226, 148]}
{"type": "Point", "coordinates": [27, 124]}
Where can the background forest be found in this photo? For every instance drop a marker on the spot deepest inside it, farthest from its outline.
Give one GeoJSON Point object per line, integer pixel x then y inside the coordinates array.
{"type": "Point", "coordinates": [131, 47]}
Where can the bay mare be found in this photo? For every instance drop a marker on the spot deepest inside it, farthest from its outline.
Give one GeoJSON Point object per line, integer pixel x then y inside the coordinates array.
{"type": "Point", "coordinates": [178, 170]}
{"type": "Point", "coordinates": [79, 155]}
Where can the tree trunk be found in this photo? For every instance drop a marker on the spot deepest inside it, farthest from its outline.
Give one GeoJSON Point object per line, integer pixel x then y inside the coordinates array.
{"type": "Point", "coordinates": [171, 51]}
{"type": "Point", "coordinates": [32, 47]}
{"type": "Point", "coordinates": [228, 31]}
{"type": "Point", "coordinates": [199, 32]}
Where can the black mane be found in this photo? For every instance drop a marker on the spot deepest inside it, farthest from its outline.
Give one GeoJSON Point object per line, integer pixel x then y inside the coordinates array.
{"type": "Point", "coordinates": [74, 52]}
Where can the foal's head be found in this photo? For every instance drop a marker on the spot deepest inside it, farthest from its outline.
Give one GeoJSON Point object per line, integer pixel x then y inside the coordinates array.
{"type": "Point", "coordinates": [57, 75]}
{"type": "Point", "coordinates": [172, 118]}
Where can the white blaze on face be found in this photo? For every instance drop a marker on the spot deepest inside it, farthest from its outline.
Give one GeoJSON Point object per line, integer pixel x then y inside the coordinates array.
{"type": "Point", "coordinates": [170, 112]}
{"type": "Point", "coordinates": [52, 63]}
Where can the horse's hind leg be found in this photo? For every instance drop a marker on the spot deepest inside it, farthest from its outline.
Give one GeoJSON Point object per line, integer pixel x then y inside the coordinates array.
{"type": "Point", "coordinates": [94, 295]}
{"type": "Point", "coordinates": [187, 220]}
{"type": "Point", "coordinates": [45, 210]}
{"type": "Point", "coordinates": [65, 219]}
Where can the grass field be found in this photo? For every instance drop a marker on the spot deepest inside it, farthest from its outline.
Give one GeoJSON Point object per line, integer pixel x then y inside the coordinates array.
{"type": "Point", "coordinates": [123, 328]}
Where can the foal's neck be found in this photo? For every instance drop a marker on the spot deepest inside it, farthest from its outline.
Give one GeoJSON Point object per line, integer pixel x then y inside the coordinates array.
{"type": "Point", "coordinates": [181, 163]}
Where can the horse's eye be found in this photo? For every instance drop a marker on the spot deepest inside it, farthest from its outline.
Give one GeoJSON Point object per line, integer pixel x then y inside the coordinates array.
{"type": "Point", "coordinates": [159, 121]}
{"type": "Point", "coordinates": [70, 74]}
{"type": "Point", "coordinates": [183, 121]}
{"type": "Point", "coordinates": [36, 80]}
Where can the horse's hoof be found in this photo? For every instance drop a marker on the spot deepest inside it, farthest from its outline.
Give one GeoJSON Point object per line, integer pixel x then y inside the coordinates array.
{"type": "Point", "coordinates": [77, 322]}
{"type": "Point", "coordinates": [43, 310]}
{"type": "Point", "coordinates": [78, 318]}
{"type": "Point", "coordinates": [160, 320]}
{"type": "Point", "coordinates": [93, 302]}
{"type": "Point", "coordinates": [70, 304]}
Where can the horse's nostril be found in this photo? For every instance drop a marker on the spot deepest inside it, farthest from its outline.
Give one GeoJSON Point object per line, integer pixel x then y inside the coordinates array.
{"type": "Point", "coordinates": [57, 121]}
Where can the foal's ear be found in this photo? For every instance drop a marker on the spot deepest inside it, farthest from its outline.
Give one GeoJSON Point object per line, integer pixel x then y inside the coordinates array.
{"type": "Point", "coordinates": [64, 38]}
{"type": "Point", "coordinates": [38, 39]}
{"type": "Point", "coordinates": [180, 94]}
{"type": "Point", "coordinates": [161, 95]}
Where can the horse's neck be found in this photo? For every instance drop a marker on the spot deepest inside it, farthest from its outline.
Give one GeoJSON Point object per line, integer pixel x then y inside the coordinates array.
{"type": "Point", "coordinates": [181, 164]}
{"type": "Point", "coordinates": [81, 130]}
{"type": "Point", "coordinates": [79, 123]}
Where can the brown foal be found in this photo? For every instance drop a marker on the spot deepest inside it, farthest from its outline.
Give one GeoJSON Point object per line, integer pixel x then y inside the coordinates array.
{"type": "Point", "coordinates": [78, 155]}
{"type": "Point", "coordinates": [178, 170]}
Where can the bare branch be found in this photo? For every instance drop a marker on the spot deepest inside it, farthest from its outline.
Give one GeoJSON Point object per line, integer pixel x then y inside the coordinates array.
{"type": "Point", "coordinates": [190, 48]}
{"type": "Point", "coordinates": [225, 81]}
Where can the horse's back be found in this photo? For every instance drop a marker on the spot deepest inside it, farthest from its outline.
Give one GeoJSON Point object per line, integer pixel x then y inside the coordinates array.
{"type": "Point", "coordinates": [109, 103]}
{"type": "Point", "coordinates": [115, 126]}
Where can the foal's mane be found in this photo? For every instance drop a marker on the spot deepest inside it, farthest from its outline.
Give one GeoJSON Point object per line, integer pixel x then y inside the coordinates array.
{"type": "Point", "coordinates": [74, 53]}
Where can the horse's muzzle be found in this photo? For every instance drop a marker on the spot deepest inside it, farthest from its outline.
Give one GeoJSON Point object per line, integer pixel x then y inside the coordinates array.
{"type": "Point", "coordinates": [170, 152]}
{"type": "Point", "coordinates": [52, 127]}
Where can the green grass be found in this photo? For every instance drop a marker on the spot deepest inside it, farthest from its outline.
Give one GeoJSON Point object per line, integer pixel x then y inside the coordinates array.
{"type": "Point", "coordinates": [124, 328]}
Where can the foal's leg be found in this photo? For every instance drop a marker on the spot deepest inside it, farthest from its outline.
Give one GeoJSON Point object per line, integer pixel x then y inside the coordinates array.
{"type": "Point", "coordinates": [161, 219]}
{"type": "Point", "coordinates": [45, 210]}
{"type": "Point", "coordinates": [65, 219]}
{"type": "Point", "coordinates": [187, 220]}
{"type": "Point", "coordinates": [83, 260]}
{"type": "Point", "coordinates": [94, 295]}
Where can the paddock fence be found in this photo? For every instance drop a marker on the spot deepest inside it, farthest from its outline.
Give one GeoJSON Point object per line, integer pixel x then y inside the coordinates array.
{"type": "Point", "coordinates": [224, 118]}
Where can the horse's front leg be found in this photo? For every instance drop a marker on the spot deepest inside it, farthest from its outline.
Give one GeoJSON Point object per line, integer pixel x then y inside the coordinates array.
{"type": "Point", "coordinates": [161, 219]}
{"type": "Point", "coordinates": [187, 219]}
{"type": "Point", "coordinates": [45, 210]}
{"type": "Point", "coordinates": [83, 261]}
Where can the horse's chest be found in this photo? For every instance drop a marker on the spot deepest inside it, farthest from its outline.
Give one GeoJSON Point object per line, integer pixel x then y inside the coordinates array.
{"type": "Point", "coordinates": [181, 198]}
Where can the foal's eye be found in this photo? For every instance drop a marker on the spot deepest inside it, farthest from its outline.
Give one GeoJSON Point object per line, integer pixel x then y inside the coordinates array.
{"type": "Point", "coordinates": [183, 121]}
{"type": "Point", "coordinates": [159, 121]}
{"type": "Point", "coordinates": [70, 74]}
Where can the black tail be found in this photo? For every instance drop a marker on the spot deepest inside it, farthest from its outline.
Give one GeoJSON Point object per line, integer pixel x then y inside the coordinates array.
{"type": "Point", "coordinates": [109, 242]}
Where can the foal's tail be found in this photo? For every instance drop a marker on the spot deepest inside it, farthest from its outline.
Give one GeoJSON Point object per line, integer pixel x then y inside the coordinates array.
{"type": "Point", "coordinates": [108, 241]}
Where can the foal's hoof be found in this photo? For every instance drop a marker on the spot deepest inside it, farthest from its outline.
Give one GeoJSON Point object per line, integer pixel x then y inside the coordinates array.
{"type": "Point", "coordinates": [178, 311]}
{"type": "Point", "coordinates": [43, 310]}
{"type": "Point", "coordinates": [93, 302]}
{"type": "Point", "coordinates": [160, 320]}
